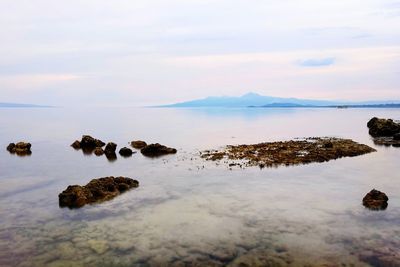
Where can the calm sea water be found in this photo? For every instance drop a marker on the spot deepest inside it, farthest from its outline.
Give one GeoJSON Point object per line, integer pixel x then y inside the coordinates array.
{"type": "Point", "coordinates": [189, 212]}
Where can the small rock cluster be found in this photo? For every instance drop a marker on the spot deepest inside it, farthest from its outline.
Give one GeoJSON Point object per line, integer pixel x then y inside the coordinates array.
{"type": "Point", "coordinates": [92, 145]}
{"type": "Point", "coordinates": [375, 200]}
{"type": "Point", "coordinates": [385, 131]}
{"type": "Point", "coordinates": [20, 148]}
{"type": "Point", "coordinates": [97, 190]}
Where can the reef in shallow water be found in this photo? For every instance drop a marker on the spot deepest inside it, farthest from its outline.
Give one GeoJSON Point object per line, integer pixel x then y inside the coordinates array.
{"type": "Point", "coordinates": [293, 152]}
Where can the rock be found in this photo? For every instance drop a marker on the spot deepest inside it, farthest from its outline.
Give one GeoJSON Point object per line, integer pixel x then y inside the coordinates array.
{"type": "Point", "coordinates": [76, 144]}
{"type": "Point", "coordinates": [138, 144]}
{"type": "Point", "coordinates": [89, 142]}
{"type": "Point", "coordinates": [375, 200]}
{"type": "Point", "coordinates": [125, 152]}
{"type": "Point", "coordinates": [110, 148]}
{"type": "Point", "coordinates": [383, 127]}
{"type": "Point", "coordinates": [20, 148]}
{"type": "Point", "coordinates": [98, 151]}
{"type": "Point", "coordinates": [293, 152]}
{"type": "Point", "coordinates": [111, 157]}
{"type": "Point", "coordinates": [11, 148]}
{"type": "Point", "coordinates": [396, 137]}
{"type": "Point", "coordinates": [155, 150]}
{"type": "Point", "coordinates": [100, 143]}
{"type": "Point", "coordinates": [97, 190]}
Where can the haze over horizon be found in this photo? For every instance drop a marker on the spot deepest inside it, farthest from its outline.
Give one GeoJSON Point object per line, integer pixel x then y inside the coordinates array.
{"type": "Point", "coordinates": [155, 52]}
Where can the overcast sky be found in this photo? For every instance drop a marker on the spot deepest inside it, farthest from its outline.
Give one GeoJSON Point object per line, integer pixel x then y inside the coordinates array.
{"type": "Point", "coordinates": [141, 52]}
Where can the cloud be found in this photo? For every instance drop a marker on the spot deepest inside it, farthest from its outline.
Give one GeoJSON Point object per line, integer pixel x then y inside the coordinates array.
{"type": "Point", "coordinates": [142, 51]}
{"type": "Point", "coordinates": [317, 62]}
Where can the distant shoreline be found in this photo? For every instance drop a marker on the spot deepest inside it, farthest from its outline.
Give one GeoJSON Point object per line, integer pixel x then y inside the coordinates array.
{"type": "Point", "coordinates": [15, 105]}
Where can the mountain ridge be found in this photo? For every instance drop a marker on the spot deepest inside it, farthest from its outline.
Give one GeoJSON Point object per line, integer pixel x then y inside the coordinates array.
{"type": "Point", "coordinates": [252, 99]}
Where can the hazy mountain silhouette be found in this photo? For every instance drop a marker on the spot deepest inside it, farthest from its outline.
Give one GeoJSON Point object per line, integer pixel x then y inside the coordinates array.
{"type": "Point", "coordinates": [256, 100]}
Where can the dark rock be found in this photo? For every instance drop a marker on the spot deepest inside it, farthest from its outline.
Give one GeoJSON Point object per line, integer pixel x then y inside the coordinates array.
{"type": "Point", "coordinates": [396, 136]}
{"type": "Point", "coordinates": [98, 151]}
{"type": "Point", "coordinates": [96, 190]}
{"type": "Point", "coordinates": [383, 127]}
{"type": "Point", "coordinates": [109, 151]}
{"type": "Point", "coordinates": [328, 144]}
{"type": "Point", "coordinates": [111, 156]}
{"type": "Point", "coordinates": [110, 148]}
{"type": "Point", "coordinates": [11, 148]}
{"type": "Point", "coordinates": [375, 200]}
{"type": "Point", "coordinates": [138, 144]}
{"type": "Point", "coordinates": [100, 143]}
{"type": "Point", "coordinates": [76, 144]}
{"type": "Point", "coordinates": [90, 142]}
{"type": "Point", "coordinates": [155, 150]}
{"type": "Point", "coordinates": [125, 152]}
{"type": "Point", "coordinates": [20, 148]}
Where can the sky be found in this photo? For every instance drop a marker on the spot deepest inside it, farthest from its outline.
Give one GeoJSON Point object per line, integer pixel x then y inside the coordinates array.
{"type": "Point", "coordinates": [146, 52]}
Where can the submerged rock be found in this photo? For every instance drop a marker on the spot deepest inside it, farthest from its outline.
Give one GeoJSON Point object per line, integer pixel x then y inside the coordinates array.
{"type": "Point", "coordinates": [375, 200]}
{"type": "Point", "coordinates": [383, 127]}
{"type": "Point", "coordinates": [292, 152]}
{"type": "Point", "coordinates": [98, 151]}
{"type": "Point", "coordinates": [138, 144]}
{"type": "Point", "coordinates": [125, 152]}
{"type": "Point", "coordinates": [20, 148]}
{"type": "Point", "coordinates": [96, 190]}
{"type": "Point", "coordinates": [155, 150]}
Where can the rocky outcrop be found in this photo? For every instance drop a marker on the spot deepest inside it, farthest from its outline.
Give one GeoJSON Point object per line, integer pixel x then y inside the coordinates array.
{"type": "Point", "coordinates": [87, 143]}
{"type": "Point", "coordinates": [20, 148]}
{"type": "Point", "coordinates": [138, 144]}
{"type": "Point", "coordinates": [155, 150]}
{"type": "Point", "coordinates": [90, 142]}
{"type": "Point", "coordinates": [110, 149]}
{"type": "Point", "coordinates": [375, 200]}
{"type": "Point", "coordinates": [386, 132]}
{"type": "Point", "coordinates": [97, 190]}
{"type": "Point", "coordinates": [125, 152]}
{"type": "Point", "coordinates": [383, 127]}
{"type": "Point", "coordinates": [293, 152]}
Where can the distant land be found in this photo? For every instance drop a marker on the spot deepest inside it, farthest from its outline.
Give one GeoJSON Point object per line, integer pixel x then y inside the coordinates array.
{"type": "Point", "coordinates": [17, 105]}
{"type": "Point", "coordinates": [256, 100]}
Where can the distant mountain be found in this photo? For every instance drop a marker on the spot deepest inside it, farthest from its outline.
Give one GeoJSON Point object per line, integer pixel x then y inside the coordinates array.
{"type": "Point", "coordinates": [256, 100]}
{"type": "Point", "coordinates": [291, 105]}
{"type": "Point", "coordinates": [16, 105]}
{"type": "Point", "coordinates": [250, 99]}
{"type": "Point", "coordinates": [284, 105]}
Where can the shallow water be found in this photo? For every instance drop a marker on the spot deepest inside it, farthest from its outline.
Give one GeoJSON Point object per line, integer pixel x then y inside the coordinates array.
{"type": "Point", "coordinates": [190, 212]}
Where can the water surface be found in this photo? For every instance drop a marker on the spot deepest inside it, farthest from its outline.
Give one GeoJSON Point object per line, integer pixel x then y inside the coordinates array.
{"type": "Point", "coordinates": [187, 211]}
